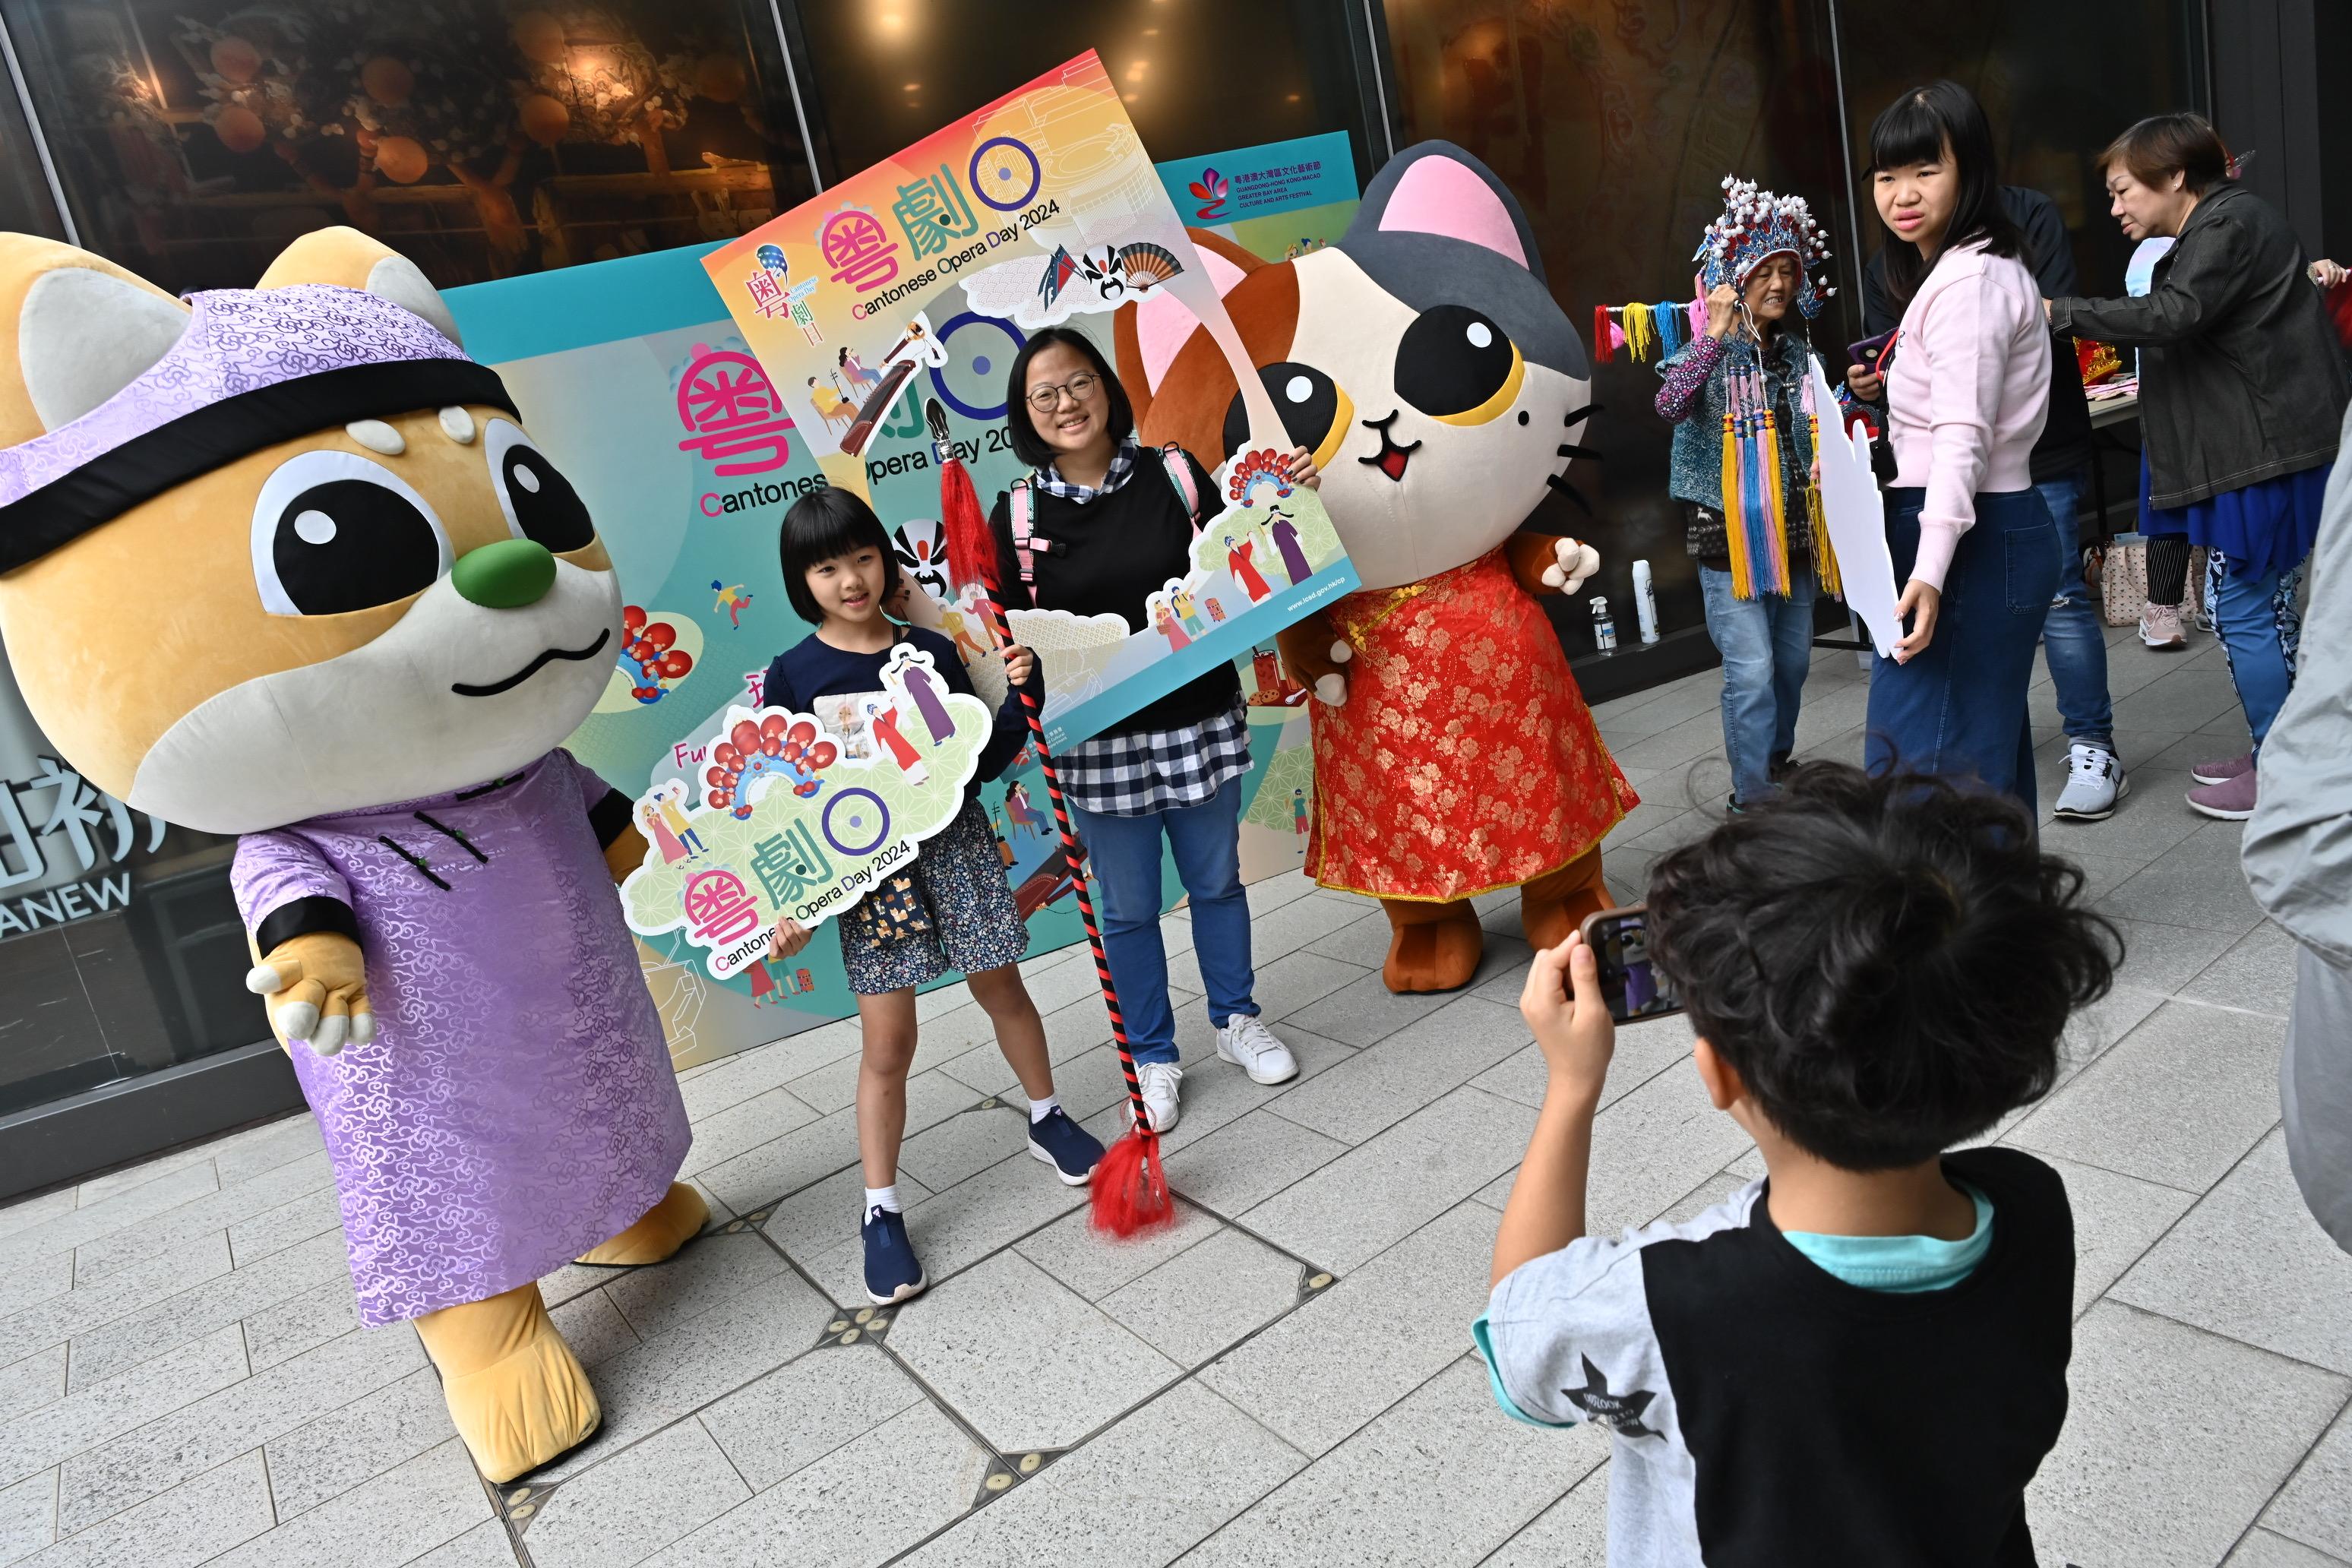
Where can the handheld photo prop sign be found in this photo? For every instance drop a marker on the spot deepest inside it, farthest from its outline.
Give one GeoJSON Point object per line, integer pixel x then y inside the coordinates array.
{"type": "Point", "coordinates": [1856, 514]}
{"type": "Point", "coordinates": [802, 814]}
{"type": "Point", "coordinates": [1039, 209]}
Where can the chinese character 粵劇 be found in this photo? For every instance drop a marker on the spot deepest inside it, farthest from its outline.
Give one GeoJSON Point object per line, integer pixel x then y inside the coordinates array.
{"type": "Point", "coordinates": [789, 864]}
{"type": "Point", "coordinates": [720, 908]}
{"type": "Point", "coordinates": [727, 400]}
{"type": "Point", "coordinates": [858, 249]}
{"type": "Point", "coordinates": [933, 211]}
{"type": "Point", "coordinates": [767, 295]}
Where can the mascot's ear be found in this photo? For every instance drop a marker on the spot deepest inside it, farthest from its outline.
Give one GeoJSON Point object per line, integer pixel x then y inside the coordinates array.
{"type": "Point", "coordinates": [57, 361]}
{"type": "Point", "coordinates": [1437, 189]}
{"type": "Point", "coordinates": [349, 259]}
{"type": "Point", "coordinates": [1147, 337]}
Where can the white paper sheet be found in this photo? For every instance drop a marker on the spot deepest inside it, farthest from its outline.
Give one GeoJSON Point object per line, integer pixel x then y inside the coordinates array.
{"type": "Point", "coordinates": [1857, 520]}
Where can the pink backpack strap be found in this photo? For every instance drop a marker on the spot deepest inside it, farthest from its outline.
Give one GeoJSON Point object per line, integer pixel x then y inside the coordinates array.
{"type": "Point", "coordinates": [1180, 474]}
{"type": "Point", "coordinates": [1024, 518]}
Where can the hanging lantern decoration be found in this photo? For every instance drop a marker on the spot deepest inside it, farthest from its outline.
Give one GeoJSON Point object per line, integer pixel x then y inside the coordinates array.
{"type": "Point", "coordinates": [235, 60]}
{"type": "Point", "coordinates": [400, 159]}
{"type": "Point", "coordinates": [544, 119]}
{"type": "Point", "coordinates": [540, 37]}
{"type": "Point", "coordinates": [387, 80]}
{"type": "Point", "coordinates": [240, 130]}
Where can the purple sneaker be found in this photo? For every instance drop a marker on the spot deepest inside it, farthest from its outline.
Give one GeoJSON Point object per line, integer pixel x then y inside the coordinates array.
{"type": "Point", "coordinates": [2232, 800]}
{"type": "Point", "coordinates": [2221, 772]}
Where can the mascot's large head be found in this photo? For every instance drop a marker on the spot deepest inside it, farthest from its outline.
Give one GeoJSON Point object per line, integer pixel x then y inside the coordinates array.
{"type": "Point", "coordinates": [281, 552]}
{"type": "Point", "coordinates": [1421, 360]}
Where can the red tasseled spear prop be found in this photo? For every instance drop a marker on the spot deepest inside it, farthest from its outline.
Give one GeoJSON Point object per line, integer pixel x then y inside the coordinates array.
{"type": "Point", "coordinates": [1131, 1189]}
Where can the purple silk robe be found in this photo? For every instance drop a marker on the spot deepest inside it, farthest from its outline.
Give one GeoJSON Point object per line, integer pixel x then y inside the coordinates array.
{"type": "Point", "coordinates": [516, 1106]}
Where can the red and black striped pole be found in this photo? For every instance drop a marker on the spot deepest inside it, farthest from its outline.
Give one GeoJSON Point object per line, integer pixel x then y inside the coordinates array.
{"type": "Point", "coordinates": [1130, 1188]}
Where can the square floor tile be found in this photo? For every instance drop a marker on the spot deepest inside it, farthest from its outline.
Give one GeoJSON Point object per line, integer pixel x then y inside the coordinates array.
{"type": "Point", "coordinates": [193, 1522]}
{"type": "Point", "coordinates": [39, 1438]}
{"type": "Point", "coordinates": [860, 1505]}
{"type": "Point", "coordinates": [390, 1520]}
{"type": "Point", "coordinates": [1094, 1265]}
{"type": "Point", "coordinates": [28, 1513]}
{"type": "Point", "coordinates": [32, 1380]}
{"type": "Point", "coordinates": [704, 1273]}
{"type": "Point", "coordinates": [2117, 1220]}
{"type": "Point", "coordinates": [1382, 1084]}
{"type": "Point", "coordinates": [636, 1504]}
{"type": "Point", "coordinates": [2251, 1263]}
{"type": "Point", "coordinates": [2196, 882]}
{"type": "Point", "coordinates": [1248, 1159]}
{"type": "Point", "coordinates": [805, 1409]}
{"type": "Point", "coordinates": [2257, 973]}
{"type": "Point", "coordinates": [2178, 1100]}
{"type": "Point", "coordinates": [1201, 1301]}
{"type": "Point", "coordinates": [955, 1229]}
{"type": "Point", "coordinates": [1382, 1331]}
{"type": "Point", "coordinates": [1022, 1358]}
{"type": "Point", "coordinates": [2315, 1506]}
{"type": "Point", "coordinates": [2174, 1441]}
{"type": "Point", "coordinates": [1080, 1508]}
{"type": "Point", "coordinates": [1441, 1478]}
{"type": "Point", "coordinates": [357, 1442]}
{"type": "Point", "coordinates": [1571, 1533]}
{"type": "Point", "coordinates": [1653, 1146]}
{"type": "Point", "coordinates": [2262, 1549]}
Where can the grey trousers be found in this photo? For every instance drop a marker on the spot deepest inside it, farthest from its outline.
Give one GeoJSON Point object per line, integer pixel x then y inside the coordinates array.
{"type": "Point", "coordinates": [2316, 1092]}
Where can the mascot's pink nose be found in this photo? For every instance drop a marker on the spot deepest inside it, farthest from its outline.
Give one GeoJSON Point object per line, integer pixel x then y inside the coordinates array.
{"type": "Point", "coordinates": [506, 576]}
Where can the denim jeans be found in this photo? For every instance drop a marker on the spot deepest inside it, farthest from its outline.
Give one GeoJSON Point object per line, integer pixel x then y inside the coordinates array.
{"type": "Point", "coordinates": [2072, 640]}
{"type": "Point", "coordinates": [1766, 644]}
{"type": "Point", "coordinates": [2258, 627]}
{"type": "Point", "coordinates": [1124, 855]}
{"type": "Point", "coordinates": [1958, 707]}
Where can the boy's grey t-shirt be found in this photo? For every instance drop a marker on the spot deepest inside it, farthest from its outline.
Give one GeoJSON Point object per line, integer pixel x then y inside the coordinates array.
{"type": "Point", "coordinates": [1766, 1412]}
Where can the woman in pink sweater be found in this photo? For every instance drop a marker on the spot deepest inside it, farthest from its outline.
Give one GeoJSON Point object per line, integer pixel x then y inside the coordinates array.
{"type": "Point", "coordinates": [1968, 385]}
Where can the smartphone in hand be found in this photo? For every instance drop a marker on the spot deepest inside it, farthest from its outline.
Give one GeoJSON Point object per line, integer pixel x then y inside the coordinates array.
{"type": "Point", "coordinates": [1867, 353]}
{"type": "Point", "coordinates": [1619, 941]}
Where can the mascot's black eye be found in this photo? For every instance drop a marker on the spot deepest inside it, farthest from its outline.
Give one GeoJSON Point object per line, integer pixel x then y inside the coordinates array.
{"type": "Point", "coordinates": [540, 502]}
{"type": "Point", "coordinates": [333, 532]}
{"type": "Point", "coordinates": [1453, 362]}
{"type": "Point", "coordinates": [1308, 400]}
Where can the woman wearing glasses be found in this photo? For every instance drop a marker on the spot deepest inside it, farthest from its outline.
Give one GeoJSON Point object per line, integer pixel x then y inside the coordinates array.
{"type": "Point", "coordinates": [1102, 523]}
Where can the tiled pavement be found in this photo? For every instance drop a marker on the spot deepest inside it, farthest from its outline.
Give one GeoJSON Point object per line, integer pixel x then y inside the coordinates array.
{"type": "Point", "coordinates": [1285, 1377]}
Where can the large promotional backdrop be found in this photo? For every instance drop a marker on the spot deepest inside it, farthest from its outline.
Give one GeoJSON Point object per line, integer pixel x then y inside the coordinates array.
{"type": "Point", "coordinates": [630, 375]}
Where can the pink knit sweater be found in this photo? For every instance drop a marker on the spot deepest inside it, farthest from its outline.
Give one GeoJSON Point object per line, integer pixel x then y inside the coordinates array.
{"type": "Point", "coordinates": [1967, 392]}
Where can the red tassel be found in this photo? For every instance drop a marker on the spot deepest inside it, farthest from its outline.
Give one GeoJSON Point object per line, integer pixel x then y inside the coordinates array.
{"type": "Point", "coordinates": [1601, 325]}
{"type": "Point", "coordinates": [971, 546]}
{"type": "Point", "coordinates": [1131, 1190]}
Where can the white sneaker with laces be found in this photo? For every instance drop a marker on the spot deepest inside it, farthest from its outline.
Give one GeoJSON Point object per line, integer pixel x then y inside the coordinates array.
{"type": "Point", "coordinates": [1249, 1045]}
{"type": "Point", "coordinates": [2094, 781]}
{"type": "Point", "coordinates": [1158, 1081]}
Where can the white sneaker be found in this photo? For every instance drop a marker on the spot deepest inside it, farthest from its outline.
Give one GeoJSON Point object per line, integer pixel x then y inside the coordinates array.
{"type": "Point", "coordinates": [1249, 1045]}
{"type": "Point", "coordinates": [2094, 781]}
{"type": "Point", "coordinates": [1158, 1080]}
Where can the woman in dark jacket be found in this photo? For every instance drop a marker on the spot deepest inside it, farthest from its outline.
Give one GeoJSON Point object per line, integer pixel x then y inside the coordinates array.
{"type": "Point", "coordinates": [2241, 391]}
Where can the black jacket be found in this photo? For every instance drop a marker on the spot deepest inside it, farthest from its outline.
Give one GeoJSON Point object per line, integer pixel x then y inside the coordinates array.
{"type": "Point", "coordinates": [2065, 444]}
{"type": "Point", "coordinates": [2241, 379]}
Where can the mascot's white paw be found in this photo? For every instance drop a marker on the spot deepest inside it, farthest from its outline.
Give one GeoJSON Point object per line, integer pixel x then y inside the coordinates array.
{"type": "Point", "coordinates": [1332, 690]}
{"type": "Point", "coordinates": [1575, 561]}
{"type": "Point", "coordinates": [1341, 652]}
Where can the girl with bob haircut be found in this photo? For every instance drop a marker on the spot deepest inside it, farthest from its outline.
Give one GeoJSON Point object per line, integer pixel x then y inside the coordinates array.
{"type": "Point", "coordinates": [2241, 395]}
{"type": "Point", "coordinates": [1968, 388]}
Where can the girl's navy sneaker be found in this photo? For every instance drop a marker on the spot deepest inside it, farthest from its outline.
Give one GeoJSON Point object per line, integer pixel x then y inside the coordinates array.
{"type": "Point", "coordinates": [1070, 1148]}
{"type": "Point", "coordinates": [892, 1271]}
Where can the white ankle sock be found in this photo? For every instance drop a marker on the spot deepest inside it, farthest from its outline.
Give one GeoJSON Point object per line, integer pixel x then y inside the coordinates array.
{"type": "Point", "coordinates": [882, 1198]}
{"type": "Point", "coordinates": [1041, 1109]}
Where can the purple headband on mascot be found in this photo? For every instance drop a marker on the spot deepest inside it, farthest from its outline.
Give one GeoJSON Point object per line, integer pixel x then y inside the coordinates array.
{"type": "Point", "coordinates": [255, 367]}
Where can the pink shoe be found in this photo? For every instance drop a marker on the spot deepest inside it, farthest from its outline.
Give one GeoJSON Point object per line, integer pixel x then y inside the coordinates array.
{"type": "Point", "coordinates": [2232, 801]}
{"type": "Point", "coordinates": [2222, 772]}
{"type": "Point", "coordinates": [2159, 627]}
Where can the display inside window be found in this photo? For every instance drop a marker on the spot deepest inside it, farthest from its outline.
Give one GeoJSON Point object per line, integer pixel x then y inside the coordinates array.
{"type": "Point", "coordinates": [194, 141]}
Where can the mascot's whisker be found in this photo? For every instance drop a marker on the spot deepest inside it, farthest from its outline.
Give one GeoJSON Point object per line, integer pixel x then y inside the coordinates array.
{"type": "Point", "coordinates": [1570, 449]}
{"type": "Point", "coordinates": [1581, 414]}
{"type": "Point", "coordinates": [1560, 482]}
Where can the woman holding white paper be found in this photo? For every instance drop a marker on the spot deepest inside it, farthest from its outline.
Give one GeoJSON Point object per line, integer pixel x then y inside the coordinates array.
{"type": "Point", "coordinates": [1968, 387]}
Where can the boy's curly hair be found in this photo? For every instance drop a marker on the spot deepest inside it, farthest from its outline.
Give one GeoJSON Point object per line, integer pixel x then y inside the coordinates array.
{"type": "Point", "coordinates": [1888, 964]}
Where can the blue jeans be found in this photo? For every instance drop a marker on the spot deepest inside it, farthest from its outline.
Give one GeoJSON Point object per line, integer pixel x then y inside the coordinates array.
{"type": "Point", "coordinates": [1958, 707]}
{"type": "Point", "coordinates": [2260, 628]}
{"type": "Point", "coordinates": [1766, 644]}
{"type": "Point", "coordinates": [1124, 855]}
{"type": "Point", "coordinates": [2072, 640]}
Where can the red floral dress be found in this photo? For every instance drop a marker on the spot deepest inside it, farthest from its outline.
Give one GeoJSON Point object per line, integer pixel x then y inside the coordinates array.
{"type": "Point", "coordinates": [1465, 759]}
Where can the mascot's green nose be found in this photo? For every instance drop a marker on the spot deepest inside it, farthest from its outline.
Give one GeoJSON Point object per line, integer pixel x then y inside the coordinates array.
{"type": "Point", "coordinates": [506, 576]}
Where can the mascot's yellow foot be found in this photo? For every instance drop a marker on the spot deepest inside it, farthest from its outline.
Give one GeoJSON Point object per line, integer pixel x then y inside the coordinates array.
{"type": "Point", "coordinates": [660, 1231]}
{"type": "Point", "coordinates": [1555, 904]}
{"type": "Point", "coordinates": [517, 1393]}
{"type": "Point", "coordinates": [1432, 947]}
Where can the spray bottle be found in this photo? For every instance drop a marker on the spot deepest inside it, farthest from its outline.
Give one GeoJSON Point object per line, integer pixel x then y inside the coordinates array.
{"type": "Point", "coordinates": [1604, 627]}
{"type": "Point", "coordinates": [1645, 602]}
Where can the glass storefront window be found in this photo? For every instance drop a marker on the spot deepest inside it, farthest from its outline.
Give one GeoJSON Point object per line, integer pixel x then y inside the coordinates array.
{"type": "Point", "coordinates": [1198, 77]}
{"type": "Point", "coordinates": [480, 140]}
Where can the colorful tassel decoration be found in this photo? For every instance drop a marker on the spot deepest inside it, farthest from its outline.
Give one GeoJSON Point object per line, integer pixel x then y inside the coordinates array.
{"type": "Point", "coordinates": [1668, 317]}
{"type": "Point", "coordinates": [1602, 330]}
{"type": "Point", "coordinates": [1734, 537]}
{"type": "Point", "coordinates": [1641, 334]}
